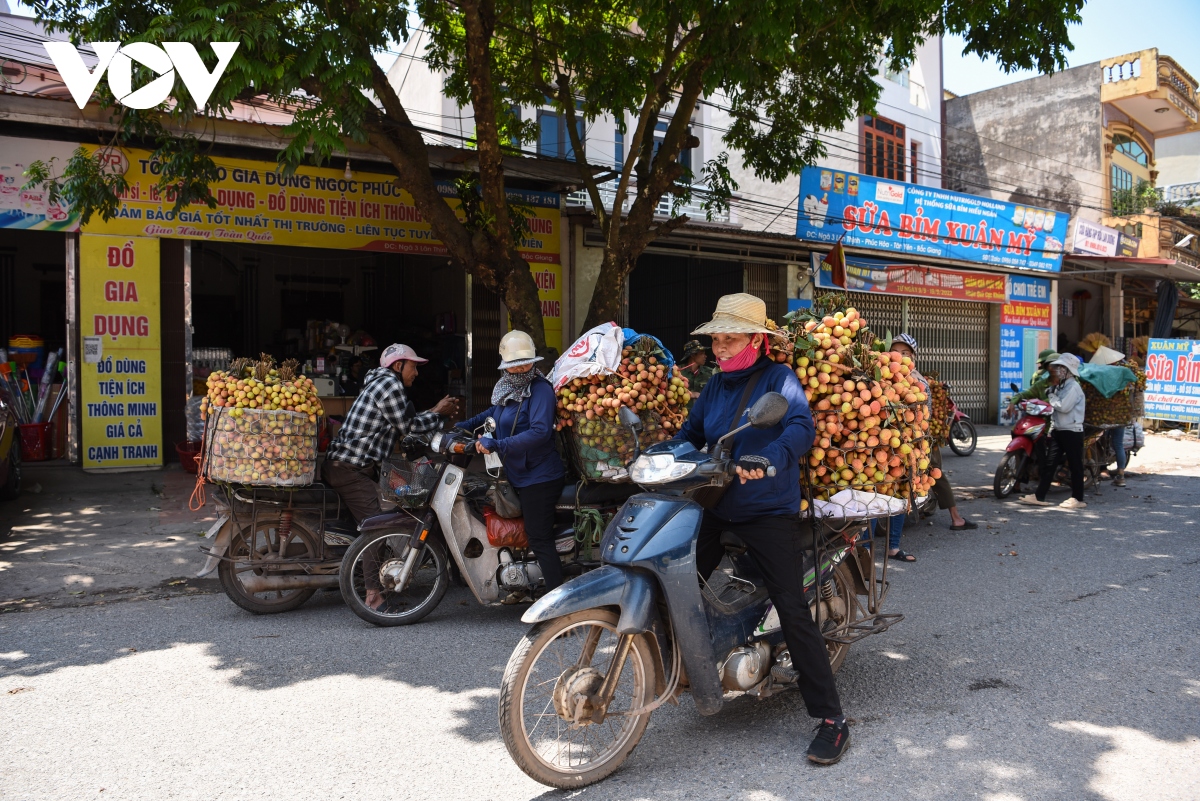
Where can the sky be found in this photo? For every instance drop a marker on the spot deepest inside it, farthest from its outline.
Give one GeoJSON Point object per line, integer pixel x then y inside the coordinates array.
{"type": "Point", "coordinates": [1109, 28]}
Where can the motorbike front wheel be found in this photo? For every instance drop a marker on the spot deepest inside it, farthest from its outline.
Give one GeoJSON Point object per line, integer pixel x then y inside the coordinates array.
{"type": "Point", "coordinates": [1008, 474]}
{"type": "Point", "coordinates": [963, 437]}
{"type": "Point", "coordinates": [550, 675]}
{"type": "Point", "coordinates": [378, 555]}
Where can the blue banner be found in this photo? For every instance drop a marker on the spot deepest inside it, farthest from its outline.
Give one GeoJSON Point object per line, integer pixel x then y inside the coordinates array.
{"type": "Point", "coordinates": [923, 221]}
{"type": "Point", "coordinates": [1173, 380]}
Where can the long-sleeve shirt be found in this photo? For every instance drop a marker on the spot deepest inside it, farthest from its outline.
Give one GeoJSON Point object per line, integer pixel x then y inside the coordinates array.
{"type": "Point", "coordinates": [380, 413]}
{"type": "Point", "coordinates": [1068, 402]}
{"type": "Point", "coordinates": [527, 449]}
{"type": "Point", "coordinates": [1037, 389]}
{"type": "Point", "coordinates": [784, 444]}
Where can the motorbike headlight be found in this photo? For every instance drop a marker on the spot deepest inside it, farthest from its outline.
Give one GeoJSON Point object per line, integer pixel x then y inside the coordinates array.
{"type": "Point", "coordinates": [659, 469]}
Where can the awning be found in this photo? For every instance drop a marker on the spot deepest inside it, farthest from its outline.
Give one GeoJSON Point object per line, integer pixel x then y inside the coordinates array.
{"type": "Point", "coordinates": [1142, 268]}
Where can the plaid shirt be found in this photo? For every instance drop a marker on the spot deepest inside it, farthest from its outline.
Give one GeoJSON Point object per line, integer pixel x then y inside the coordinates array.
{"type": "Point", "coordinates": [378, 414]}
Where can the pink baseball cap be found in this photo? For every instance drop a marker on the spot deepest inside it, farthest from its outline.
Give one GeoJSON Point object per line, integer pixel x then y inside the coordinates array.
{"type": "Point", "coordinates": [396, 352]}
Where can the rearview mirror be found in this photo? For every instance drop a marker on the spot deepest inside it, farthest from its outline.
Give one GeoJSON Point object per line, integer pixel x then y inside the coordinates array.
{"type": "Point", "coordinates": [768, 410]}
{"type": "Point", "coordinates": [1014, 387]}
{"type": "Point", "coordinates": [489, 425]}
{"type": "Point", "coordinates": [629, 418]}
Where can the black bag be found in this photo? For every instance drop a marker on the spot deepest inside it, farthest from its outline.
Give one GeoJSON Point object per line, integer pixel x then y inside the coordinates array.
{"type": "Point", "coordinates": [502, 495]}
{"type": "Point", "coordinates": [708, 497]}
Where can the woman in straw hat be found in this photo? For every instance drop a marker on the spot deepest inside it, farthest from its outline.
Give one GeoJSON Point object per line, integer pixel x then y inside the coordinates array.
{"type": "Point", "coordinates": [764, 511]}
{"type": "Point", "coordinates": [1105, 355]}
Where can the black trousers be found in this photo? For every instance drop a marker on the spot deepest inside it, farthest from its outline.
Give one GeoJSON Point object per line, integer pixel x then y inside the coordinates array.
{"type": "Point", "coordinates": [775, 545]}
{"type": "Point", "coordinates": [1066, 445]}
{"type": "Point", "coordinates": [537, 507]}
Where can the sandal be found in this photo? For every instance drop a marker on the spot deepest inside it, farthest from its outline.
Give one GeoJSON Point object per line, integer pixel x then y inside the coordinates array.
{"type": "Point", "coordinates": [901, 556]}
{"type": "Point", "coordinates": [967, 525]}
{"type": "Point", "coordinates": [381, 601]}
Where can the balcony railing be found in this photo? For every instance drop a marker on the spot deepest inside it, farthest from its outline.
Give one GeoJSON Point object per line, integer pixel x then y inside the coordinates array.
{"type": "Point", "coordinates": [1183, 194]}
{"type": "Point", "coordinates": [608, 193]}
{"type": "Point", "coordinates": [1148, 74]}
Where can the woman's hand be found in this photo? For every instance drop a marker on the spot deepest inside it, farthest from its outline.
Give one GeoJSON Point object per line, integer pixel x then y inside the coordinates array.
{"type": "Point", "coordinates": [748, 475]}
{"type": "Point", "coordinates": [480, 447]}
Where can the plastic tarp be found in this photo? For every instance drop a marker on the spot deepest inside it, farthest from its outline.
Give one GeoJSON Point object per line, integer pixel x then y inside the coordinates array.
{"type": "Point", "coordinates": [852, 504]}
{"type": "Point", "coordinates": [633, 337]}
{"type": "Point", "coordinates": [597, 352]}
{"type": "Point", "coordinates": [1108, 379]}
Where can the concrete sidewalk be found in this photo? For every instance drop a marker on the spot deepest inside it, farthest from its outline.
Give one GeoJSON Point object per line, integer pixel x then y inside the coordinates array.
{"type": "Point", "coordinates": [74, 538]}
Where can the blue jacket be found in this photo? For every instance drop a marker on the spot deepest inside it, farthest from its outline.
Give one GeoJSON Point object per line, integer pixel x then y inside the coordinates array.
{"type": "Point", "coordinates": [528, 454]}
{"type": "Point", "coordinates": [784, 445]}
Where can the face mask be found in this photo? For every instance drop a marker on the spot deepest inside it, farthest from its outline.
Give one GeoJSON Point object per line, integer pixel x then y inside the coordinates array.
{"type": "Point", "coordinates": [744, 359]}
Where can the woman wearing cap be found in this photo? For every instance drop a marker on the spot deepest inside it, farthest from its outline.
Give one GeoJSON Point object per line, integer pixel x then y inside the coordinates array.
{"type": "Point", "coordinates": [523, 407]}
{"type": "Point", "coordinates": [1105, 355]}
{"type": "Point", "coordinates": [906, 345]}
{"type": "Point", "coordinates": [695, 368]}
{"type": "Point", "coordinates": [1066, 396]}
{"type": "Point", "coordinates": [764, 511]}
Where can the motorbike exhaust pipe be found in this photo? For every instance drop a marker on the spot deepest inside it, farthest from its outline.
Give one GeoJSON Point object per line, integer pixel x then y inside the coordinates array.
{"type": "Point", "coordinates": [270, 583]}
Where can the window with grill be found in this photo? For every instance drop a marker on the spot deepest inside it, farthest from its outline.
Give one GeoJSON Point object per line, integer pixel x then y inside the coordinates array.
{"type": "Point", "coordinates": [1121, 179]}
{"type": "Point", "coordinates": [1130, 147]}
{"type": "Point", "coordinates": [883, 148]}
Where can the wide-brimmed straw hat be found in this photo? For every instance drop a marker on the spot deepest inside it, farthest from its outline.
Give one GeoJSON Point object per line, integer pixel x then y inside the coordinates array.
{"type": "Point", "coordinates": [1106, 355]}
{"type": "Point", "coordinates": [1069, 361]}
{"type": "Point", "coordinates": [740, 313]}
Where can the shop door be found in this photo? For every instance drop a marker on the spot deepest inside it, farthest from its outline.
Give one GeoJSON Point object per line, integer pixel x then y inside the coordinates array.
{"type": "Point", "coordinates": [954, 337]}
{"type": "Point", "coordinates": [669, 297]}
{"type": "Point", "coordinates": [767, 281]}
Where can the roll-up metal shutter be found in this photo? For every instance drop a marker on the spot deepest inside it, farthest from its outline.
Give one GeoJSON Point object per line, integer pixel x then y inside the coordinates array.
{"type": "Point", "coordinates": [954, 337]}
{"type": "Point", "coordinates": [765, 281]}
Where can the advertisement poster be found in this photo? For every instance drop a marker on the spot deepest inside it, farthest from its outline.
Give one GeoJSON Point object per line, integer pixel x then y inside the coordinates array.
{"type": "Point", "coordinates": [549, 284]}
{"type": "Point", "coordinates": [886, 278]}
{"type": "Point", "coordinates": [863, 211]}
{"type": "Point", "coordinates": [120, 373]}
{"type": "Point", "coordinates": [1025, 320]}
{"type": "Point", "coordinates": [316, 207]}
{"type": "Point", "coordinates": [30, 209]}
{"type": "Point", "coordinates": [1173, 380]}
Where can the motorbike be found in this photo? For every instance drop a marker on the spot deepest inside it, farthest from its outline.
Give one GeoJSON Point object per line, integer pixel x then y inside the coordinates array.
{"type": "Point", "coordinates": [1030, 438]}
{"type": "Point", "coordinates": [961, 435]}
{"type": "Point", "coordinates": [443, 528]}
{"type": "Point", "coordinates": [608, 648]}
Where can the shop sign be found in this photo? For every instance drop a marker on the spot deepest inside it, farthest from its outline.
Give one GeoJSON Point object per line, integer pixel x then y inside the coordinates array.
{"type": "Point", "coordinates": [1025, 327]}
{"type": "Point", "coordinates": [1095, 239]}
{"type": "Point", "coordinates": [316, 207]}
{"type": "Point", "coordinates": [120, 375]}
{"type": "Point", "coordinates": [864, 211]}
{"type": "Point", "coordinates": [881, 277]}
{"type": "Point", "coordinates": [1173, 380]}
{"type": "Point", "coordinates": [549, 283]}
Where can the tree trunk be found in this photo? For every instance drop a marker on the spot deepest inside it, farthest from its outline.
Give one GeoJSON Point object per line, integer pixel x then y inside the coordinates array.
{"type": "Point", "coordinates": [608, 297]}
{"type": "Point", "coordinates": [520, 294]}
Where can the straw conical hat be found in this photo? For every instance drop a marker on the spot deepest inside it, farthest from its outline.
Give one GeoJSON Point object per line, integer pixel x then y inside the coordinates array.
{"type": "Point", "coordinates": [738, 314]}
{"type": "Point", "coordinates": [1106, 355]}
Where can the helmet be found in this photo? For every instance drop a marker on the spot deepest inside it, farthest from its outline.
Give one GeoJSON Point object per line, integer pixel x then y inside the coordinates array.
{"type": "Point", "coordinates": [1047, 356]}
{"type": "Point", "coordinates": [907, 339]}
{"type": "Point", "coordinates": [517, 349]}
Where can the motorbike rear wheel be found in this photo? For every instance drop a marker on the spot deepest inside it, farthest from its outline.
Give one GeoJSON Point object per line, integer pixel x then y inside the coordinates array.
{"type": "Point", "coordinates": [568, 656]}
{"type": "Point", "coordinates": [251, 553]}
{"type": "Point", "coordinates": [424, 591]}
{"type": "Point", "coordinates": [1008, 474]}
{"type": "Point", "coordinates": [963, 438]}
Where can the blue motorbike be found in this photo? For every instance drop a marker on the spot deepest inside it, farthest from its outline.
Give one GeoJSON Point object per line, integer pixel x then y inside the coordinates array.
{"type": "Point", "coordinates": [612, 645]}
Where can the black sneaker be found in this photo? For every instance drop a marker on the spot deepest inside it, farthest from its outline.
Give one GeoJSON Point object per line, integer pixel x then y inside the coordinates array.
{"type": "Point", "coordinates": [831, 742]}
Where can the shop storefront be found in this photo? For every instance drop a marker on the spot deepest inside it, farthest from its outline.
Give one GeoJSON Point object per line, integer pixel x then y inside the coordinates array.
{"type": "Point", "coordinates": [969, 277]}
{"type": "Point", "coordinates": [325, 266]}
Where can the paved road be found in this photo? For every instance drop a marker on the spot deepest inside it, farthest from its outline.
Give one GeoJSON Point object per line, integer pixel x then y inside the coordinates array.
{"type": "Point", "coordinates": [1048, 655]}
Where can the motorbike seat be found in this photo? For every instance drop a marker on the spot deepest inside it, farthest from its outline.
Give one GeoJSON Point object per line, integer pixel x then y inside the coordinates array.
{"type": "Point", "coordinates": [732, 543]}
{"type": "Point", "coordinates": [597, 494]}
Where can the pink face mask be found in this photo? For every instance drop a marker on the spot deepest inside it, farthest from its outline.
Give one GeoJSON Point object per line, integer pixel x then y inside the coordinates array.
{"type": "Point", "coordinates": [744, 359]}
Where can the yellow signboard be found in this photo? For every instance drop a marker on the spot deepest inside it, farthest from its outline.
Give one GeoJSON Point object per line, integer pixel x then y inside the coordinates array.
{"type": "Point", "coordinates": [549, 283]}
{"type": "Point", "coordinates": [120, 374]}
{"type": "Point", "coordinates": [316, 207]}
